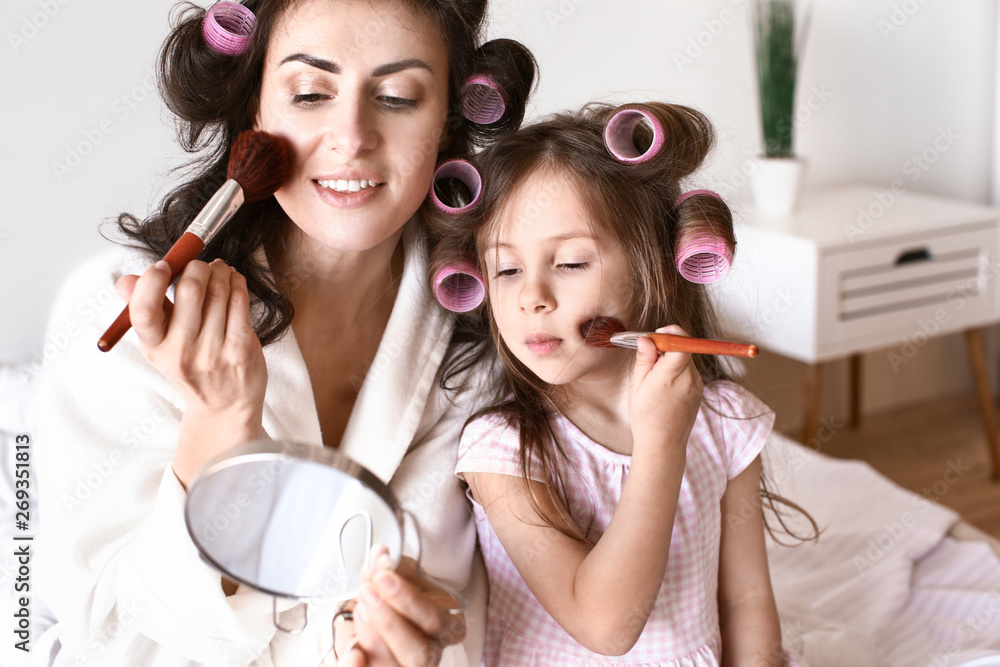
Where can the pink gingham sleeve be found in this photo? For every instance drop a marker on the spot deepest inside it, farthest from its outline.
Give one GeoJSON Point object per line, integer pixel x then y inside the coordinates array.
{"type": "Point", "coordinates": [489, 444]}
{"type": "Point", "coordinates": [741, 422]}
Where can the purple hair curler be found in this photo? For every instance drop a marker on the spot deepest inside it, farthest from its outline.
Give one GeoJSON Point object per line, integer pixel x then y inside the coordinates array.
{"type": "Point", "coordinates": [483, 100]}
{"type": "Point", "coordinates": [464, 172]}
{"type": "Point", "coordinates": [228, 27]}
{"type": "Point", "coordinates": [703, 258]}
{"type": "Point", "coordinates": [619, 134]}
{"type": "Point", "coordinates": [459, 287]}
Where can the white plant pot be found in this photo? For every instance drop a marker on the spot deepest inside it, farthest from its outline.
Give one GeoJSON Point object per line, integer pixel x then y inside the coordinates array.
{"type": "Point", "coordinates": [776, 185]}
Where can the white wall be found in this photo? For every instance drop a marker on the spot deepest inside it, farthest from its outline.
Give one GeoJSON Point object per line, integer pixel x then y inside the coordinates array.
{"type": "Point", "coordinates": [78, 92]}
{"type": "Point", "coordinates": [889, 92]}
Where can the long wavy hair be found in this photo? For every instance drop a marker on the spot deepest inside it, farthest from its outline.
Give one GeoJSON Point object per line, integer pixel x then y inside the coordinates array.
{"type": "Point", "coordinates": [214, 98]}
{"type": "Point", "coordinates": [635, 206]}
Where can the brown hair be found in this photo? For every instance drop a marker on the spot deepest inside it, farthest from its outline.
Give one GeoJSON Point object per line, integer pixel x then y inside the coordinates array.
{"type": "Point", "coordinates": [633, 203]}
{"type": "Point", "coordinates": [215, 97]}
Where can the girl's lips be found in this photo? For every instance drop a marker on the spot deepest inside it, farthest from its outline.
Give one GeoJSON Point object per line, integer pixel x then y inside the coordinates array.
{"type": "Point", "coordinates": [542, 346]}
{"type": "Point", "coordinates": [347, 199]}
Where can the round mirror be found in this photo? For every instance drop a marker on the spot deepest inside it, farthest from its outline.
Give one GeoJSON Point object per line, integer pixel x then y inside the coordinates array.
{"type": "Point", "coordinates": [291, 520]}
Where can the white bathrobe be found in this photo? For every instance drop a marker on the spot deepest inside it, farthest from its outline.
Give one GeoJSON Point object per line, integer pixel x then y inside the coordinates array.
{"type": "Point", "coordinates": [114, 560]}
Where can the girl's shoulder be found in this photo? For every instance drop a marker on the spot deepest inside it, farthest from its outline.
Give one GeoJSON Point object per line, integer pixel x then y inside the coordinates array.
{"type": "Point", "coordinates": [732, 426]}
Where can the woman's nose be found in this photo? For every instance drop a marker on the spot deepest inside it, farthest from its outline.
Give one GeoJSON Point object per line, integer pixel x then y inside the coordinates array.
{"type": "Point", "coordinates": [351, 130]}
{"type": "Point", "coordinates": [536, 296]}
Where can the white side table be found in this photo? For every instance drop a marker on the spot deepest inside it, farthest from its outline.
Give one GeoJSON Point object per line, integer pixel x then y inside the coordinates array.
{"type": "Point", "coordinates": [860, 267]}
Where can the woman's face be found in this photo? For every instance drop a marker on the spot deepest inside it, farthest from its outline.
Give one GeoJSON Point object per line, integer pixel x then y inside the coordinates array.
{"type": "Point", "coordinates": [360, 89]}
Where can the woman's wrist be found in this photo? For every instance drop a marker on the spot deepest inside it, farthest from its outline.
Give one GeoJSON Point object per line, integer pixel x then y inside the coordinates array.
{"type": "Point", "coordinates": [204, 434]}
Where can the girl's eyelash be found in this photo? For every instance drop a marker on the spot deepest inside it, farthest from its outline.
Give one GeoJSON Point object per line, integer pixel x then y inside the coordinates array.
{"type": "Point", "coordinates": [574, 266]}
{"type": "Point", "coordinates": [503, 273]}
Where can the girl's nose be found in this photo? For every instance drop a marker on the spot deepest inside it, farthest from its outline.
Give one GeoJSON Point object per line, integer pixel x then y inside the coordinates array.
{"type": "Point", "coordinates": [351, 131]}
{"type": "Point", "coordinates": [536, 297]}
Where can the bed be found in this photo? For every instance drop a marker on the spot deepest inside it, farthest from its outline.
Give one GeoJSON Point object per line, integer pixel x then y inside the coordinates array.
{"type": "Point", "coordinates": [894, 580]}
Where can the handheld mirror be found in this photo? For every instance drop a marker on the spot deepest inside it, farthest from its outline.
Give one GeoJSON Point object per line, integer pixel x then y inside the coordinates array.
{"type": "Point", "coordinates": [291, 520]}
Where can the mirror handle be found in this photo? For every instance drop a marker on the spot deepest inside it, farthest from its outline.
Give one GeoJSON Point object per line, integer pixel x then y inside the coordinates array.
{"type": "Point", "coordinates": [291, 631]}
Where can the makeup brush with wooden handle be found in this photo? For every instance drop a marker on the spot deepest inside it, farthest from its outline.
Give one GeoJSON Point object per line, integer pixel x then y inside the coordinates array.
{"type": "Point", "coordinates": [258, 164]}
{"type": "Point", "coordinates": [609, 332]}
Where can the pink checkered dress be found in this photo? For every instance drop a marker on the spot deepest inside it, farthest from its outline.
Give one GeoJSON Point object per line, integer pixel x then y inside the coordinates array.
{"type": "Point", "coordinates": [683, 628]}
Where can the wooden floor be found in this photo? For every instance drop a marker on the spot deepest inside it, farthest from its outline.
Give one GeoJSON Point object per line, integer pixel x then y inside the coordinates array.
{"type": "Point", "coordinates": [936, 449]}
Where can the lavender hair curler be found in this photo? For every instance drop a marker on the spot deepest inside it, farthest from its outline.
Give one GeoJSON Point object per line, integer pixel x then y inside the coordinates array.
{"type": "Point", "coordinates": [619, 135]}
{"type": "Point", "coordinates": [227, 27]}
{"type": "Point", "coordinates": [459, 287]}
{"type": "Point", "coordinates": [464, 172]}
{"type": "Point", "coordinates": [702, 257]}
{"type": "Point", "coordinates": [483, 100]}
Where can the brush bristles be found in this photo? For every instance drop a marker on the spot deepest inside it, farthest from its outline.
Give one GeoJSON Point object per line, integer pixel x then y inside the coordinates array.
{"type": "Point", "coordinates": [598, 331]}
{"type": "Point", "coordinates": [260, 163]}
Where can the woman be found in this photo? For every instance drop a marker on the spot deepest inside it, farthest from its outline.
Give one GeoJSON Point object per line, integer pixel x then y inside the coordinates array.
{"type": "Point", "coordinates": [314, 326]}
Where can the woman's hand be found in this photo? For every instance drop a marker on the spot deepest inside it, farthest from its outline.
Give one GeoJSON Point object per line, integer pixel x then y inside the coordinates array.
{"type": "Point", "coordinates": [206, 346]}
{"type": "Point", "coordinates": [401, 618]}
{"type": "Point", "coordinates": [666, 393]}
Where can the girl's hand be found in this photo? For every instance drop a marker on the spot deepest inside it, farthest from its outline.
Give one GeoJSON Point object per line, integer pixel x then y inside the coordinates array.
{"type": "Point", "coordinates": [666, 393]}
{"type": "Point", "coordinates": [401, 618]}
{"type": "Point", "coordinates": [206, 346]}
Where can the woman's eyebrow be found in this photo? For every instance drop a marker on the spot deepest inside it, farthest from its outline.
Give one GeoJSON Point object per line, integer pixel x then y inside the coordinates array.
{"type": "Point", "coordinates": [334, 68]}
{"type": "Point", "coordinates": [400, 65]}
{"type": "Point", "coordinates": [313, 61]}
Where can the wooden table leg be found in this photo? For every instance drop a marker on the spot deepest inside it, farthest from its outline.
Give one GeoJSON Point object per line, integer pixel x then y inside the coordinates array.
{"type": "Point", "coordinates": [974, 343]}
{"type": "Point", "coordinates": [855, 389]}
{"type": "Point", "coordinates": [811, 396]}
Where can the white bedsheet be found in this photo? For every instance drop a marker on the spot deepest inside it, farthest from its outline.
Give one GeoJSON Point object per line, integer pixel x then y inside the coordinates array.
{"type": "Point", "coordinates": [884, 585]}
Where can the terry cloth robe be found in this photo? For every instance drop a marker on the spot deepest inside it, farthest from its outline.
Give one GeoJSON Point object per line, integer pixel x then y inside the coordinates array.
{"type": "Point", "coordinates": [114, 560]}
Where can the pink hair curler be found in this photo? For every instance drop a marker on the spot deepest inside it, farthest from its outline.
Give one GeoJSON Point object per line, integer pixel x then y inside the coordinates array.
{"type": "Point", "coordinates": [692, 193]}
{"type": "Point", "coordinates": [228, 27]}
{"type": "Point", "coordinates": [483, 100]}
{"type": "Point", "coordinates": [619, 135]}
{"type": "Point", "coordinates": [464, 172]}
{"type": "Point", "coordinates": [459, 287]}
{"type": "Point", "coordinates": [703, 259]}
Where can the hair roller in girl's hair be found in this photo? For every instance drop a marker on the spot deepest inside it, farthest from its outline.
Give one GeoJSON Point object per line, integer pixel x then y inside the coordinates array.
{"type": "Point", "coordinates": [702, 255]}
{"type": "Point", "coordinates": [619, 134]}
{"type": "Point", "coordinates": [456, 186]}
{"type": "Point", "coordinates": [483, 100]}
{"type": "Point", "coordinates": [227, 27]}
{"type": "Point", "coordinates": [459, 287]}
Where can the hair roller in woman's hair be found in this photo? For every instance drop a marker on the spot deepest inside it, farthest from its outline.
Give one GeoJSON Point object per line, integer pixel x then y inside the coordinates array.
{"type": "Point", "coordinates": [227, 27]}
{"type": "Point", "coordinates": [702, 256]}
{"type": "Point", "coordinates": [456, 187]}
{"type": "Point", "coordinates": [459, 287]}
{"type": "Point", "coordinates": [619, 135]}
{"type": "Point", "coordinates": [483, 100]}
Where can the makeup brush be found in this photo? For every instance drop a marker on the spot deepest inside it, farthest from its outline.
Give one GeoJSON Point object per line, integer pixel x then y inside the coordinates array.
{"type": "Point", "coordinates": [258, 165]}
{"type": "Point", "coordinates": [608, 332]}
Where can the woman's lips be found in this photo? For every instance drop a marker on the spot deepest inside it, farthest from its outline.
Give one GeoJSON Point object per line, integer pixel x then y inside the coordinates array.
{"type": "Point", "coordinates": [542, 345]}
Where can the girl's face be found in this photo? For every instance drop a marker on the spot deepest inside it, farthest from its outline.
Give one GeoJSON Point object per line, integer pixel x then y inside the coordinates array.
{"type": "Point", "coordinates": [550, 270]}
{"type": "Point", "coordinates": [360, 89]}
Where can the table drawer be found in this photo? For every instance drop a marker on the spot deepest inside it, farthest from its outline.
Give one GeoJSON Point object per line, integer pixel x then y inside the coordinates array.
{"type": "Point", "coordinates": [883, 293]}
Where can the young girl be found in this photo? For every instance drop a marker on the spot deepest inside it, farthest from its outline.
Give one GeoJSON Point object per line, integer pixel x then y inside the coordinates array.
{"type": "Point", "coordinates": [616, 493]}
